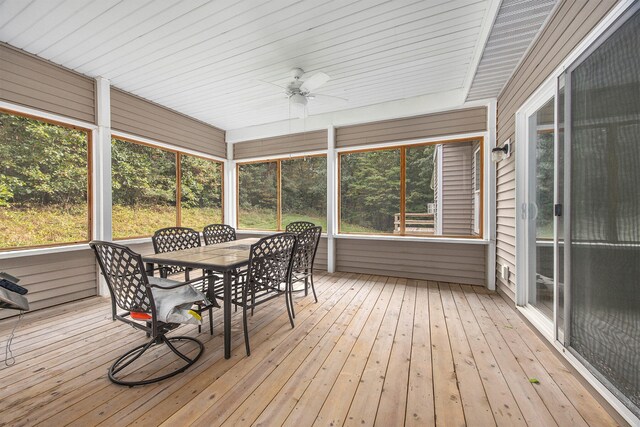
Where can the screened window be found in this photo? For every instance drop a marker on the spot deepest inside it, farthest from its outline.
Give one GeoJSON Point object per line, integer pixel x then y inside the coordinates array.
{"type": "Point", "coordinates": [422, 190]}
{"type": "Point", "coordinates": [44, 183]}
{"type": "Point", "coordinates": [144, 189]}
{"type": "Point", "coordinates": [146, 182]}
{"type": "Point", "coordinates": [304, 190]}
{"type": "Point", "coordinates": [258, 196]}
{"type": "Point", "coordinates": [200, 191]}
{"type": "Point", "coordinates": [274, 193]}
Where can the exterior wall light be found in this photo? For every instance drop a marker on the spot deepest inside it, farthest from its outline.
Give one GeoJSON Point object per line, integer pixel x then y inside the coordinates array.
{"type": "Point", "coordinates": [501, 153]}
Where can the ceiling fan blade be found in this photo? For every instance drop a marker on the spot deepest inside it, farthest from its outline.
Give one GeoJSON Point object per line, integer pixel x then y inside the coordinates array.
{"type": "Point", "coordinates": [314, 82]}
{"type": "Point", "coordinates": [322, 95]}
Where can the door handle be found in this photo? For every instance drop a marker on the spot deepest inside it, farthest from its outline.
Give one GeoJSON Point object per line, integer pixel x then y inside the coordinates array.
{"type": "Point", "coordinates": [533, 208]}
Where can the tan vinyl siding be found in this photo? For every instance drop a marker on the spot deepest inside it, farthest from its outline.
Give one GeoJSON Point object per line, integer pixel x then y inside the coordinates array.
{"type": "Point", "coordinates": [54, 278]}
{"type": "Point", "coordinates": [279, 145]}
{"type": "Point", "coordinates": [571, 21]}
{"type": "Point", "coordinates": [426, 126]}
{"type": "Point", "coordinates": [33, 82]}
{"type": "Point", "coordinates": [457, 191]}
{"type": "Point", "coordinates": [140, 117]}
{"type": "Point", "coordinates": [446, 262]}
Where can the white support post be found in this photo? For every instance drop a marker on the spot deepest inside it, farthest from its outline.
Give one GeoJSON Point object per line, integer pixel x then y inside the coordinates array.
{"type": "Point", "coordinates": [102, 198]}
{"type": "Point", "coordinates": [332, 195]}
{"type": "Point", "coordinates": [490, 197]}
{"type": "Point", "coordinates": [230, 213]}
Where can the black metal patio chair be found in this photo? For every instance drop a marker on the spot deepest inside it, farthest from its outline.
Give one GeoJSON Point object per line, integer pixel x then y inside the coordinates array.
{"type": "Point", "coordinates": [268, 276]}
{"type": "Point", "coordinates": [298, 227]}
{"type": "Point", "coordinates": [172, 239]}
{"type": "Point", "coordinates": [218, 233]}
{"type": "Point", "coordinates": [303, 260]}
{"type": "Point", "coordinates": [131, 291]}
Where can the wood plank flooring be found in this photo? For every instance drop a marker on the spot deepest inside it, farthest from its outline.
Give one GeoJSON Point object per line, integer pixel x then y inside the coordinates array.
{"type": "Point", "coordinates": [374, 350]}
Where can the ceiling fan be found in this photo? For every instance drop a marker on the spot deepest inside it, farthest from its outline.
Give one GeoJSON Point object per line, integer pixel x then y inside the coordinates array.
{"type": "Point", "coordinates": [301, 89]}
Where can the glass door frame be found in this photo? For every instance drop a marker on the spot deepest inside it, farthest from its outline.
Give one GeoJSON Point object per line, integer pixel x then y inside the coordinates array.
{"type": "Point", "coordinates": [526, 212]}
{"type": "Point", "coordinates": [551, 87]}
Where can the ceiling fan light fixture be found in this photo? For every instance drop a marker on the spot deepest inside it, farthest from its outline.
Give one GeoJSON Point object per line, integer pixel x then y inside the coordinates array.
{"type": "Point", "coordinates": [298, 99]}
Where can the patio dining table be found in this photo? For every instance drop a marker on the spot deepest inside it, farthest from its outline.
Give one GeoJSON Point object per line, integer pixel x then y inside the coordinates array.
{"type": "Point", "coordinates": [223, 258]}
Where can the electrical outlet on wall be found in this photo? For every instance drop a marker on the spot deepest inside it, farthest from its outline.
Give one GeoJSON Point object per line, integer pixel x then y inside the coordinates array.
{"type": "Point", "coordinates": [504, 271]}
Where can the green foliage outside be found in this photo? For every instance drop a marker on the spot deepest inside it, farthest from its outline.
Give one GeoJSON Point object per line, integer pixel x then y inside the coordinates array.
{"type": "Point", "coordinates": [144, 190]}
{"type": "Point", "coordinates": [370, 189]}
{"type": "Point", "coordinates": [43, 183]}
{"type": "Point", "coordinates": [44, 186]}
{"type": "Point", "coordinates": [419, 178]}
{"type": "Point", "coordinates": [304, 193]}
{"type": "Point", "coordinates": [304, 189]}
{"type": "Point", "coordinates": [143, 180]}
{"type": "Point", "coordinates": [201, 192]}
{"type": "Point", "coordinates": [258, 196]}
{"type": "Point", "coordinates": [544, 185]}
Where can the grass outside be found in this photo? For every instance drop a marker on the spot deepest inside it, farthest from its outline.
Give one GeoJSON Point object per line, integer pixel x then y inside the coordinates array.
{"type": "Point", "coordinates": [144, 221]}
{"type": "Point", "coordinates": [37, 226]}
{"type": "Point", "coordinates": [47, 225]}
{"type": "Point", "coordinates": [266, 220]}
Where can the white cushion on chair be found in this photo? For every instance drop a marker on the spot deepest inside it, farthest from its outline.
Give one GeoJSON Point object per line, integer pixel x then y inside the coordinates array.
{"type": "Point", "coordinates": [173, 305]}
{"type": "Point", "coordinates": [159, 281]}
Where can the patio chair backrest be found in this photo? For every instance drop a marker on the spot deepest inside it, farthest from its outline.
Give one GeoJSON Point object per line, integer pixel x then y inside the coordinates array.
{"type": "Point", "coordinates": [306, 248]}
{"type": "Point", "coordinates": [270, 260]}
{"type": "Point", "coordinates": [125, 275]}
{"type": "Point", "coordinates": [218, 233]}
{"type": "Point", "coordinates": [299, 226]}
{"type": "Point", "coordinates": [172, 239]}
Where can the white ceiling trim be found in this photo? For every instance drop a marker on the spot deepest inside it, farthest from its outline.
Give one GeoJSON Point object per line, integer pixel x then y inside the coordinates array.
{"type": "Point", "coordinates": [415, 106]}
{"type": "Point", "coordinates": [487, 25]}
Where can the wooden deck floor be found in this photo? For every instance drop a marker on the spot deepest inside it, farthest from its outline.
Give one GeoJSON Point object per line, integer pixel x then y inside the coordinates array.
{"type": "Point", "coordinates": [373, 351]}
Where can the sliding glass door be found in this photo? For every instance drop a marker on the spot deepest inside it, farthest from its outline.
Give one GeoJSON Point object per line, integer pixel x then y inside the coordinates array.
{"type": "Point", "coordinates": [539, 205]}
{"type": "Point", "coordinates": [602, 109]}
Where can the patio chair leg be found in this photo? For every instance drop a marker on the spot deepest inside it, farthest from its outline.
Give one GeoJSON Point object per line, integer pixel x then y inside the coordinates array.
{"type": "Point", "coordinates": [289, 296]}
{"type": "Point", "coordinates": [211, 320]}
{"type": "Point", "coordinates": [289, 311]}
{"type": "Point", "coordinates": [306, 283]}
{"type": "Point", "coordinates": [246, 329]}
{"type": "Point", "coordinates": [127, 358]}
{"type": "Point", "coordinates": [313, 288]}
{"type": "Point", "coordinates": [253, 300]}
{"type": "Point", "coordinates": [141, 349]}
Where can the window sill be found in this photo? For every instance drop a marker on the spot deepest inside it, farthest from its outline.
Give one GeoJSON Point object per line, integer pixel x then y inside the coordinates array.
{"type": "Point", "coordinates": [134, 241]}
{"type": "Point", "coordinates": [267, 232]}
{"type": "Point", "coordinates": [19, 253]}
{"type": "Point", "coordinates": [462, 240]}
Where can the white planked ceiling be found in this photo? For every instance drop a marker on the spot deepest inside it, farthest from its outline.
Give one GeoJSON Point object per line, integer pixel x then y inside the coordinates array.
{"type": "Point", "coordinates": [205, 58]}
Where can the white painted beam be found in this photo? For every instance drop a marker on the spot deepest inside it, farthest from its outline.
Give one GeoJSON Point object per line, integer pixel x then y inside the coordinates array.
{"type": "Point", "coordinates": [230, 189]}
{"type": "Point", "coordinates": [408, 107]}
{"type": "Point", "coordinates": [102, 197]}
{"type": "Point", "coordinates": [332, 196]}
{"type": "Point", "coordinates": [490, 190]}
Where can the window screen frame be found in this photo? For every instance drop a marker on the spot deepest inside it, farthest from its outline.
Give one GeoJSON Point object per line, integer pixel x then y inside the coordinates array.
{"type": "Point", "coordinates": [90, 179]}
{"type": "Point", "coordinates": [178, 177]}
{"type": "Point", "coordinates": [403, 187]}
{"type": "Point", "coordinates": [278, 161]}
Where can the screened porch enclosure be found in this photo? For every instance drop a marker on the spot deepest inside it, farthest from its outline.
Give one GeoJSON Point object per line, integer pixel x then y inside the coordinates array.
{"type": "Point", "coordinates": [472, 166]}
